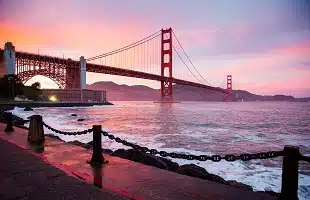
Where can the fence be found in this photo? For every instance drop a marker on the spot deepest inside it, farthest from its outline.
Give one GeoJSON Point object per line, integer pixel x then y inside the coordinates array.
{"type": "Point", "coordinates": [291, 154]}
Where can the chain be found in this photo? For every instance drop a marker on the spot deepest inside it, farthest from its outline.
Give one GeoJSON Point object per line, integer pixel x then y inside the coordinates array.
{"type": "Point", "coordinates": [214, 158]}
{"type": "Point", "coordinates": [67, 133]}
{"type": "Point", "coordinates": [304, 158]}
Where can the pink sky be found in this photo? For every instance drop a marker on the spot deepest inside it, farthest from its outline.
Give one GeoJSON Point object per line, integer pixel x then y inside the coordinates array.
{"type": "Point", "coordinates": [264, 45]}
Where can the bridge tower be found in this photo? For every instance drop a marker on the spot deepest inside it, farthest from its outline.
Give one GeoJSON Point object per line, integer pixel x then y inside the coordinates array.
{"type": "Point", "coordinates": [166, 64]}
{"type": "Point", "coordinates": [82, 72]}
{"type": "Point", "coordinates": [76, 74]}
{"type": "Point", "coordinates": [7, 60]}
{"type": "Point", "coordinates": [229, 88]}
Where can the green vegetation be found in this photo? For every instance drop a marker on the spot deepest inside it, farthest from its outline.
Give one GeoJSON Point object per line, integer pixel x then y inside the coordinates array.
{"type": "Point", "coordinates": [11, 86]}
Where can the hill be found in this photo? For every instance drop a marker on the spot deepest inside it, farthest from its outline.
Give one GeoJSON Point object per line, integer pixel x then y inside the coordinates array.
{"type": "Point", "coordinates": [117, 92]}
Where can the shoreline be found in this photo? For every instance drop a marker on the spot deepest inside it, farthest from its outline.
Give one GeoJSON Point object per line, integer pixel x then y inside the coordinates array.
{"type": "Point", "coordinates": [23, 104]}
{"type": "Point", "coordinates": [191, 170]}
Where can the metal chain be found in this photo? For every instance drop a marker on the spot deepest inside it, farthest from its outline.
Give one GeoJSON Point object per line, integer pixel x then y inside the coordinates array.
{"type": "Point", "coordinates": [304, 158]}
{"type": "Point", "coordinates": [214, 158]}
{"type": "Point", "coordinates": [67, 133]}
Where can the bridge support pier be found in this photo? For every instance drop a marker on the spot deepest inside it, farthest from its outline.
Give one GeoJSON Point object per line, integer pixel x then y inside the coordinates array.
{"type": "Point", "coordinates": [8, 60]}
{"type": "Point", "coordinates": [82, 72]}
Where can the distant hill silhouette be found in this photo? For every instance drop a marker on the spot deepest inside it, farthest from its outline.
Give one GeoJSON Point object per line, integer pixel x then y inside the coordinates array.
{"type": "Point", "coordinates": [117, 92]}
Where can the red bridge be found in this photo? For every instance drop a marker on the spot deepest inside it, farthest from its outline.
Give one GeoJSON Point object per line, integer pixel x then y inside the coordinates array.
{"type": "Point", "coordinates": [151, 58]}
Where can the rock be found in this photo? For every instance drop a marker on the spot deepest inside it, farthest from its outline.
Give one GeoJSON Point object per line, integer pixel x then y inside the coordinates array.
{"type": "Point", "coordinates": [74, 115]}
{"type": "Point", "coordinates": [239, 185]}
{"type": "Point", "coordinates": [172, 166]}
{"type": "Point", "coordinates": [122, 153]}
{"type": "Point", "coordinates": [80, 120]}
{"type": "Point", "coordinates": [135, 155]}
{"type": "Point", "coordinates": [18, 121]}
{"type": "Point", "coordinates": [271, 193]}
{"type": "Point", "coordinates": [78, 143]}
{"type": "Point", "coordinates": [138, 156]}
{"type": "Point", "coordinates": [107, 151]}
{"type": "Point", "coordinates": [199, 172]}
{"type": "Point", "coordinates": [53, 136]}
{"type": "Point", "coordinates": [28, 109]}
{"type": "Point", "coordinates": [153, 161]}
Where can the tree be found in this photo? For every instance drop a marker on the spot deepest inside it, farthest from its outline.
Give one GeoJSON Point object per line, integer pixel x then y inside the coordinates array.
{"type": "Point", "coordinates": [11, 86]}
{"type": "Point", "coordinates": [36, 85]}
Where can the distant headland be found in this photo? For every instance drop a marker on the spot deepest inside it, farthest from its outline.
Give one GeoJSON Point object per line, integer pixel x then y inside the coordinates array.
{"type": "Point", "coordinates": [117, 92]}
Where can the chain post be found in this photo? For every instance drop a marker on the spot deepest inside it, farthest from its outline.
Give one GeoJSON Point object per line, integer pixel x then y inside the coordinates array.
{"type": "Point", "coordinates": [36, 131]}
{"type": "Point", "coordinates": [289, 187]}
{"type": "Point", "coordinates": [9, 123]}
{"type": "Point", "coordinates": [97, 157]}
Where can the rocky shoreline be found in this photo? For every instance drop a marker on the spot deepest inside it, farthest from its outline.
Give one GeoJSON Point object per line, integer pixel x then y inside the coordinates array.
{"type": "Point", "coordinates": [148, 159]}
{"type": "Point", "coordinates": [167, 164]}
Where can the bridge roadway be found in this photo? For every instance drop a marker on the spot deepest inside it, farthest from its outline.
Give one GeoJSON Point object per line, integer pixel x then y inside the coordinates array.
{"type": "Point", "coordinates": [90, 67]}
{"type": "Point", "coordinates": [60, 171]}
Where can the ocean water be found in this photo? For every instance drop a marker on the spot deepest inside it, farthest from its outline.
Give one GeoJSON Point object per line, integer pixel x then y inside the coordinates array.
{"type": "Point", "coordinates": [201, 128]}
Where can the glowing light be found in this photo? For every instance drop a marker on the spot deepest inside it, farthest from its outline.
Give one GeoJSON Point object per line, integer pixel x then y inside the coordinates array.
{"type": "Point", "coordinates": [52, 98]}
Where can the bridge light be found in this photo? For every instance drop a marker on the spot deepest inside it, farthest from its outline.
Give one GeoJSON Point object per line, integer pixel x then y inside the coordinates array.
{"type": "Point", "coordinates": [52, 98]}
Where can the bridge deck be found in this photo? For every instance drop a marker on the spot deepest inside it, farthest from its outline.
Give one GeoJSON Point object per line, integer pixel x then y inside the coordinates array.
{"type": "Point", "coordinates": [90, 67]}
{"type": "Point", "coordinates": [130, 179]}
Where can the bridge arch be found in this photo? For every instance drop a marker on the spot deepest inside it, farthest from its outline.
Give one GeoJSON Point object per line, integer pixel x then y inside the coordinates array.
{"type": "Point", "coordinates": [59, 79]}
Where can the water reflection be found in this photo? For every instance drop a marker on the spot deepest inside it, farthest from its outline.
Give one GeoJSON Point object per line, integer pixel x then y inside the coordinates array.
{"type": "Point", "coordinates": [97, 172]}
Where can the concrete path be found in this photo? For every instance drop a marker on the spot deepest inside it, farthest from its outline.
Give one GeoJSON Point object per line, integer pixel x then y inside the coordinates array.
{"type": "Point", "coordinates": [25, 176]}
{"type": "Point", "coordinates": [127, 178]}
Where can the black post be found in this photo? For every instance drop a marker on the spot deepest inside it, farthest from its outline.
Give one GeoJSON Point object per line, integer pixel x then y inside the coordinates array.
{"type": "Point", "coordinates": [9, 123]}
{"type": "Point", "coordinates": [97, 157]}
{"type": "Point", "coordinates": [36, 130]}
{"type": "Point", "coordinates": [290, 173]}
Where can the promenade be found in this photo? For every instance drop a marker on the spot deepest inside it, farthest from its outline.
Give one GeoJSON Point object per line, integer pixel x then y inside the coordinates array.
{"type": "Point", "coordinates": [60, 171]}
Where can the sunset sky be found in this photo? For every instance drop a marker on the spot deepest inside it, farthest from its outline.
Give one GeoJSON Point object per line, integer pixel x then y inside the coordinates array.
{"type": "Point", "coordinates": [263, 44]}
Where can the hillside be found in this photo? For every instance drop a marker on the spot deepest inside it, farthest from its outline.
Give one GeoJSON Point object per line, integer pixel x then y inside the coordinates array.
{"type": "Point", "coordinates": [117, 92]}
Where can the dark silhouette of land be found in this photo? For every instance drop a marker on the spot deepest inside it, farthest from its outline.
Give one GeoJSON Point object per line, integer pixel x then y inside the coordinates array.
{"type": "Point", "coordinates": [117, 92]}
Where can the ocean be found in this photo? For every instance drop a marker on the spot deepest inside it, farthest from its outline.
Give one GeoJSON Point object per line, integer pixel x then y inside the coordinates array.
{"type": "Point", "coordinates": [201, 128]}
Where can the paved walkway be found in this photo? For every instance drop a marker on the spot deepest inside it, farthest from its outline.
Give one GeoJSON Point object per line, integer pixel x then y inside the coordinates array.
{"type": "Point", "coordinates": [25, 175]}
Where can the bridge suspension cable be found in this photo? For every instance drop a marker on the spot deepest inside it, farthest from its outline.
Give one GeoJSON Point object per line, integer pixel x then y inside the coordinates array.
{"type": "Point", "coordinates": [190, 60]}
{"type": "Point", "coordinates": [144, 40]}
{"type": "Point", "coordinates": [186, 65]}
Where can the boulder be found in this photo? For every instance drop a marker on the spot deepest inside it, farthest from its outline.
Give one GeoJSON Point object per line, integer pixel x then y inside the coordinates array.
{"type": "Point", "coordinates": [18, 121]}
{"type": "Point", "coordinates": [78, 143]}
{"type": "Point", "coordinates": [135, 155]}
{"type": "Point", "coordinates": [74, 115]}
{"type": "Point", "coordinates": [107, 151]}
{"type": "Point", "coordinates": [122, 153]}
{"type": "Point", "coordinates": [27, 108]}
{"type": "Point", "coordinates": [239, 185]}
{"type": "Point", "coordinates": [53, 136]}
{"type": "Point", "coordinates": [172, 166]}
{"type": "Point", "coordinates": [154, 161]}
{"type": "Point", "coordinates": [80, 120]}
{"type": "Point", "coordinates": [271, 193]}
{"type": "Point", "coordinates": [199, 172]}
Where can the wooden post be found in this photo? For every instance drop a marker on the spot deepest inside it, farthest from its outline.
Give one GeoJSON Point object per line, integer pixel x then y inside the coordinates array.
{"type": "Point", "coordinates": [97, 157]}
{"type": "Point", "coordinates": [36, 131]}
{"type": "Point", "coordinates": [9, 123]}
{"type": "Point", "coordinates": [290, 173]}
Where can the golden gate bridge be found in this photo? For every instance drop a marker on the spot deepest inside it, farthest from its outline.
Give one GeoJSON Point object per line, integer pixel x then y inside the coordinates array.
{"type": "Point", "coordinates": [152, 58]}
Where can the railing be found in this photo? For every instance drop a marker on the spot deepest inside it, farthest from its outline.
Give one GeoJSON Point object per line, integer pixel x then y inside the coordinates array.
{"type": "Point", "coordinates": [291, 154]}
